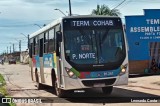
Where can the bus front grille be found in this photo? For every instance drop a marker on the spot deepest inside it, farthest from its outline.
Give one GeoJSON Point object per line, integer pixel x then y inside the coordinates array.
{"type": "Point", "coordinates": [105, 81]}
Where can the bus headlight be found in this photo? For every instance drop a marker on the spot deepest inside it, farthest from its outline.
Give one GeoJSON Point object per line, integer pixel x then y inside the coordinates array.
{"type": "Point", "coordinates": [123, 69]}
{"type": "Point", "coordinates": [67, 69]}
{"type": "Point", "coordinates": [70, 73]}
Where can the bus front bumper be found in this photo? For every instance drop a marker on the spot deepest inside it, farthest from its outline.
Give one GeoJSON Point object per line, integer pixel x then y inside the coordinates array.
{"type": "Point", "coordinates": [77, 83]}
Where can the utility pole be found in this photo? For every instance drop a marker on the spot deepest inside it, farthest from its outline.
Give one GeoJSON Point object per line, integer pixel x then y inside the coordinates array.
{"type": "Point", "coordinates": [27, 38]}
{"type": "Point", "coordinates": [7, 49]}
{"type": "Point", "coordinates": [20, 46]}
{"type": "Point", "coordinates": [28, 41]}
{"type": "Point", "coordinates": [13, 47]}
{"type": "Point", "coordinates": [20, 50]}
{"type": "Point", "coordinates": [10, 49]}
{"type": "Point", "coordinates": [70, 12]}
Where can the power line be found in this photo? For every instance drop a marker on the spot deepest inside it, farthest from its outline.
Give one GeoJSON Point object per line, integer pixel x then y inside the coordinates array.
{"type": "Point", "coordinates": [146, 1]}
{"type": "Point", "coordinates": [126, 3]}
{"type": "Point", "coordinates": [138, 1]}
{"type": "Point", "coordinates": [119, 4]}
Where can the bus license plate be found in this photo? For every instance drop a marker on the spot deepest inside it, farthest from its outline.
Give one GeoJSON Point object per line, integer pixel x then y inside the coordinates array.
{"type": "Point", "coordinates": [99, 84]}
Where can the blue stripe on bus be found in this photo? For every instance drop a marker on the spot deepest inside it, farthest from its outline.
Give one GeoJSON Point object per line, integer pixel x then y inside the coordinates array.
{"type": "Point", "coordinates": [37, 61]}
{"type": "Point", "coordinates": [103, 74]}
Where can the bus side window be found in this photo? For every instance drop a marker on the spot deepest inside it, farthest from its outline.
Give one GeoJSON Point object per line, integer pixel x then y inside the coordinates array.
{"type": "Point", "coordinates": [51, 42]}
{"type": "Point", "coordinates": [41, 48]}
{"type": "Point", "coordinates": [57, 29]}
{"type": "Point", "coordinates": [45, 50]}
{"type": "Point", "coordinates": [41, 37]}
{"type": "Point", "coordinates": [34, 46]}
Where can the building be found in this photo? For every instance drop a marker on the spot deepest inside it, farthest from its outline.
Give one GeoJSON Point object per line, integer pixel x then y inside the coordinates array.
{"type": "Point", "coordinates": [143, 35]}
{"type": "Point", "coordinates": [15, 55]}
{"type": "Point", "coordinates": [24, 57]}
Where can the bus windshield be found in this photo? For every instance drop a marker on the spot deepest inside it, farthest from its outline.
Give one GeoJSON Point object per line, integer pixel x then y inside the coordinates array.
{"type": "Point", "coordinates": [94, 45]}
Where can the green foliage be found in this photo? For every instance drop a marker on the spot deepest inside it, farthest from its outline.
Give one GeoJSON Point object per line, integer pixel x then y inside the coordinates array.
{"type": "Point", "coordinates": [105, 10]}
{"type": "Point", "coordinates": [3, 91]}
{"type": "Point", "coordinates": [2, 81]}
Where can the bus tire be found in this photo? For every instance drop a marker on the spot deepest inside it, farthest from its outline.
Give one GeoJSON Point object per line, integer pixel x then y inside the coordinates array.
{"type": "Point", "coordinates": [107, 90]}
{"type": "Point", "coordinates": [53, 77]}
{"type": "Point", "coordinates": [59, 92]}
{"type": "Point", "coordinates": [38, 85]}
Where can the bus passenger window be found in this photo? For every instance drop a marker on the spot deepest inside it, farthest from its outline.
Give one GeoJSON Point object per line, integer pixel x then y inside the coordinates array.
{"type": "Point", "coordinates": [36, 46]}
{"type": "Point", "coordinates": [51, 40]}
{"type": "Point", "coordinates": [41, 48]}
{"type": "Point", "coordinates": [45, 50]}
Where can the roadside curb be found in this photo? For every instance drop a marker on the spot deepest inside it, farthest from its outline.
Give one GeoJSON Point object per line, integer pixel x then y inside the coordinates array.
{"type": "Point", "coordinates": [141, 75]}
{"type": "Point", "coordinates": [144, 87]}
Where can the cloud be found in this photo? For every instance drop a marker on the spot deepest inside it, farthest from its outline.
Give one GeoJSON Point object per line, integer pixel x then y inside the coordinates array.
{"type": "Point", "coordinates": [44, 2]}
{"type": "Point", "coordinates": [37, 1]}
{"type": "Point", "coordinates": [55, 2]}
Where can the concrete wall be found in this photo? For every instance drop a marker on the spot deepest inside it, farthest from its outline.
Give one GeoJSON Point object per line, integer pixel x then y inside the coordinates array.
{"type": "Point", "coordinates": [143, 35]}
{"type": "Point", "coordinates": [24, 57]}
{"type": "Point", "coordinates": [138, 67]}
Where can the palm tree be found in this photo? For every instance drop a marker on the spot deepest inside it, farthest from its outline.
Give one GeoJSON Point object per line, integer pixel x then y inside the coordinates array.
{"type": "Point", "coordinates": [105, 10]}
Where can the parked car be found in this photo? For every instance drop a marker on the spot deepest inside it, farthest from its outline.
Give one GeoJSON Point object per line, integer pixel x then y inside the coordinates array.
{"type": "Point", "coordinates": [12, 61]}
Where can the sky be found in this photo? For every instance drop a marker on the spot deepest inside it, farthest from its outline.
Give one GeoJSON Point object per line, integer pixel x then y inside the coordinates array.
{"type": "Point", "coordinates": [18, 17]}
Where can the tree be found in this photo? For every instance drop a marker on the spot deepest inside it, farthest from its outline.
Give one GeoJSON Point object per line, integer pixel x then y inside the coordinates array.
{"type": "Point", "coordinates": [105, 10]}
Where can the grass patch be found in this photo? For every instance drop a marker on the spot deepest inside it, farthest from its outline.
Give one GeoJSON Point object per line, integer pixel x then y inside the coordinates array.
{"type": "Point", "coordinates": [2, 81]}
{"type": "Point", "coordinates": [3, 91]}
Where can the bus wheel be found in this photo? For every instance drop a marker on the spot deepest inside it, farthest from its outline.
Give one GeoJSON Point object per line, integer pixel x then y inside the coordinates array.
{"type": "Point", "coordinates": [59, 91]}
{"type": "Point", "coordinates": [53, 78]}
{"type": "Point", "coordinates": [38, 85]}
{"type": "Point", "coordinates": [107, 90]}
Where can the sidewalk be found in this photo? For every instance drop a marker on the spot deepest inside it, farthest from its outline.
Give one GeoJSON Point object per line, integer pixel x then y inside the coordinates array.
{"type": "Point", "coordinates": [142, 75]}
{"type": "Point", "coordinates": [148, 84]}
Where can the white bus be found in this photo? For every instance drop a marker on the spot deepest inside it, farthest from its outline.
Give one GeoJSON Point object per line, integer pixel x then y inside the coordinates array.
{"type": "Point", "coordinates": [77, 52]}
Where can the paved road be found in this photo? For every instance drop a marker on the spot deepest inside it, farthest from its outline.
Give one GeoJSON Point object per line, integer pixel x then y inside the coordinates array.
{"type": "Point", "coordinates": [19, 84]}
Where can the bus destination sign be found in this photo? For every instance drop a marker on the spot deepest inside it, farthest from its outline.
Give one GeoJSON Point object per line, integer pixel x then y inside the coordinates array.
{"type": "Point", "coordinates": [87, 23]}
